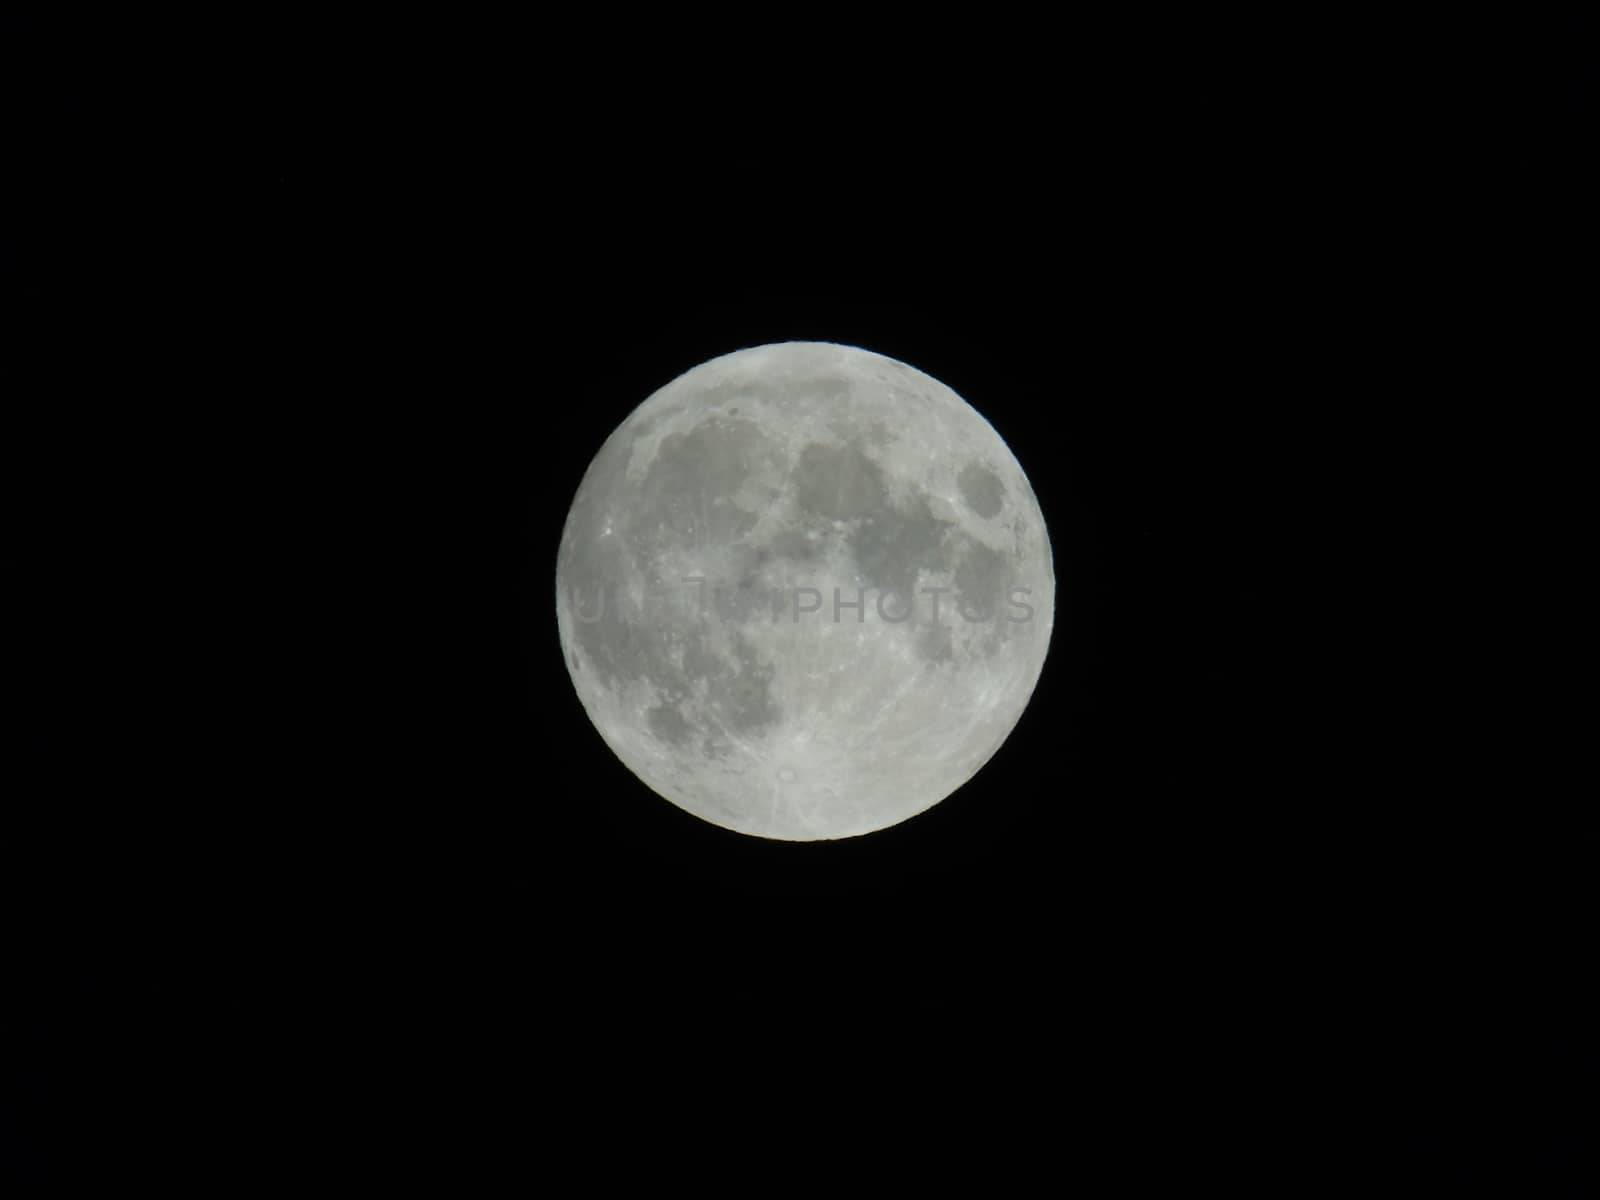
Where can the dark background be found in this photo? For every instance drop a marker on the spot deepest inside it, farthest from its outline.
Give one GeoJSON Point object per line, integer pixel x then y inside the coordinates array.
{"type": "Point", "coordinates": [331, 867]}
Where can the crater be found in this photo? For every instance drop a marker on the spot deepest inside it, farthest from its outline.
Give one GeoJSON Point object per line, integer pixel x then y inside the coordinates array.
{"type": "Point", "coordinates": [688, 491]}
{"type": "Point", "coordinates": [795, 545]}
{"type": "Point", "coordinates": [935, 644]}
{"type": "Point", "coordinates": [839, 482]}
{"type": "Point", "coordinates": [743, 699]}
{"type": "Point", "coordinates": [981, 579]}
{"type": "Point", "coordinates": [893, 544]}
{"type": "Point", "coordinates": [981, 489]}
{"type": "Point", "coordinates": [668, 725]}
{"type": "Point", "coordinates": [617, 642]}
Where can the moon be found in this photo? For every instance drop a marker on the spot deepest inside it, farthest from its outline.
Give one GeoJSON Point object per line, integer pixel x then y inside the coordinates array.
{"type": "Point", "coordinates": [804, 591]}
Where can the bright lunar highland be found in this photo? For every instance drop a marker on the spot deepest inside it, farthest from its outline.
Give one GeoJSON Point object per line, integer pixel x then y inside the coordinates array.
{"type": "Point", "coordinates": [804, 591]}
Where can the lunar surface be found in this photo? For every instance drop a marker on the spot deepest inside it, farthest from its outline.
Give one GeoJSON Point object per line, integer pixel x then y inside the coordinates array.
{"type": "Point", "coordinates": [804, 591]}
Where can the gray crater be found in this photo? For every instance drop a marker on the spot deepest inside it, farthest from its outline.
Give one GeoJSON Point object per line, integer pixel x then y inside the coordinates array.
{"type": "Point", "coordinates": [743, 700]}
{"type": "Point", "coordinates": [981, 489]}
{"type": "Point", "coordinates": [839, 482]}
{"type": "Point", "coordinates": [982, 580]}
{"type": "Point", "coordinates": [668, 724]}
{"type": "Point", "coordinates": [891, 545]}
{"type": "Point", "coordinates": [689, 489]}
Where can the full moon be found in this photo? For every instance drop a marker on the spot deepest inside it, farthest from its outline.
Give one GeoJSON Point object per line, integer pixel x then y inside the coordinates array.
{"type": "Point", "coordinates": [804, 591]}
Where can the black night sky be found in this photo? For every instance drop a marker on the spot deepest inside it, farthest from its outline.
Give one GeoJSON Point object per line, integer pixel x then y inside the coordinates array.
{"type": "Point", "coordinates": [331, 866]}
